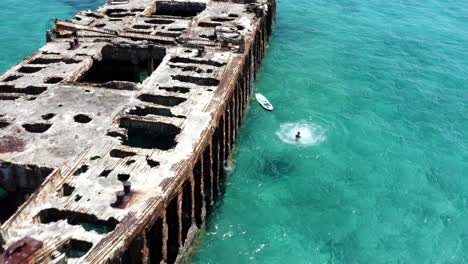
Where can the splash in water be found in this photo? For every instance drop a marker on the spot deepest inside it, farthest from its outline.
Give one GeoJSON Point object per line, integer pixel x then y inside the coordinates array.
{"type": "Point", "coordinates": [310, 134]}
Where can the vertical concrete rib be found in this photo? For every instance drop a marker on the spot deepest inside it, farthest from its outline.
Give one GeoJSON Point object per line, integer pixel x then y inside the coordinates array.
{"type": "Point", "coordinates": [239, 105]}
{"type": "Point", "coordinates": [208, 177]}
{"type": "Point", "coordinates": [193, 201]}
{"type": "Point", "coordinates": [216, 157]}
{"type": "Point", "coordinates": [179, 216]}
{"type": "Point", "coordinates": [232, 127]}
{"type": "Point", "coordinates": [234, 118]}
{"type": "Point", "coordinates": [227, 134]}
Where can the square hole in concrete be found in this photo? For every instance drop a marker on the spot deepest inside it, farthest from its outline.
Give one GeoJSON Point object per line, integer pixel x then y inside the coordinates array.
{"type": "Point", "coordinates": [149, 135]}
{"type": "Point", "coordinates": [179, 8]}
{"type": "Point", "coordinates": [130, 64]}
{"type": "Point", "coordinates": [17, 183]}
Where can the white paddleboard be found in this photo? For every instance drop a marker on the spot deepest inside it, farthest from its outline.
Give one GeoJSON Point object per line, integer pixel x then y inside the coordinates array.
{"type": "Point", "coordinates": [264, 102]}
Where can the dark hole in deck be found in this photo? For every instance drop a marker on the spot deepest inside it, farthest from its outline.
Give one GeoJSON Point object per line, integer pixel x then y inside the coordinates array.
{"type": "Point", "coordinates": [76, 248]}
{"type": "Point", "coordinates": [141, 27]}
{"type": "Point", "coordinates": [82, 169]}
{"type": "Point", "coordinates": [44, 60]}
{"type": "Point", "coordinates": [161, 100]}
{"type": "Point", "coordinates": [82, 119]}
{"type": "Point", "coordinates": [17, 183]}
{"type": "Point", "coordinates": [175, 29]}
{"type": "Point", "coordinates": [115, 70]}
{"type": "Point", "coordinates": [28, 69]}
{"type": "Point", "coordinates": [159, 21]}
{"type": "Point", "coordinates": [34, 90]}
{"type": "Point", "coordinates": [105, 173]}
{"type": "Point", "coordinates": [183, 9]}
{"type": "Point", "coordinates": [3, 124]}
{"type": "Point", "coordinates": [12, 78]}
{"type": "Point", "coordinates": [37, 127]}
{"type": "Point", "coordinates": [152, 163]}
{"type": "Point", "coordinates": [53, 80]}
{"type": "Point", "coordinates": [30, 90]}
{"type": "Point", "coordinates": [149, 135]}
{"type": "Point", "coordinates": [194, 61]}
{"type": "Point", "coordinates": [94, 15]}
{"type": "Point", "coordinates": [8, 97]}
{"type": "Point", "coordinates": [208, 24]}
{"type": "Point", "coordinates": [123, 177]}
{"type": "Point", "coordinates": [175, 89]}
{"type": "Point", "coordinates": [87, 221]}
{"type": "Point", "coordinates": [124, 64]}
{"type": "Point", "coordinates": [48, 116]}
{"type": "Point", "coordinates": [67, 189]}
{"type": "Point", "coordinates": [222, 19]}
{"type": "Point", "coordinates": [116, 12]}
{"type": "Point", "coordinates": [144, 111]}
{"type": "Point", "coordinates": [196, 80]}
{"type": "Point", "coordinates": [117, 153]}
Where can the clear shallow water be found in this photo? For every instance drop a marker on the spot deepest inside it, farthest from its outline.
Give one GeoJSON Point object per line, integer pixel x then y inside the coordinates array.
{"type": "Point", "coordinates": [387, 82]}
{"type": "Point", "coordinates": [385, 85]}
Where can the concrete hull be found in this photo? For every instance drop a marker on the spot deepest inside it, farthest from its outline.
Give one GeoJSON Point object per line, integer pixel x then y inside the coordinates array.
{"type": "Point", "coordinates": [117, 152]}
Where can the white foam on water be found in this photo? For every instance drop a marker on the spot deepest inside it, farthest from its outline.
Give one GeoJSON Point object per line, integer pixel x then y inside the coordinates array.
{"type": "Point", "coordinates": [311, 134]}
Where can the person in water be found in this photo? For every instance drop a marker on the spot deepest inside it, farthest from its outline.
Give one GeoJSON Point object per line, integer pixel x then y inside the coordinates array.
{"type": "Point", "coordinates": [298, 135]}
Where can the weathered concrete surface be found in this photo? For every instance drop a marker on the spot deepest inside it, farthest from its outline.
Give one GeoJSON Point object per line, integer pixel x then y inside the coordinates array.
{"type": "Point", "coordinates": [150, 95]}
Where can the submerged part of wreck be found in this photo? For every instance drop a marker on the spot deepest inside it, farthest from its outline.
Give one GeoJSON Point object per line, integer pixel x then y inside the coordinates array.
{"type": "Point", "coordinates": [114, 134]}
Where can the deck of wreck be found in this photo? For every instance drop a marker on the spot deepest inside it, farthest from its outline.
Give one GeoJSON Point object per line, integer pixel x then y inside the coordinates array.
{"type": "Point", "coordinates": [113, 135]}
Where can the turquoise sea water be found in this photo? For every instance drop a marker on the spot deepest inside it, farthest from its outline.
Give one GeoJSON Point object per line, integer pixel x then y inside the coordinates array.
{"type": "Point", "coordinates": [23, 25]}
{"type": "Point", "coordinates": [379, 92]}
{"type": "Point", "coordinates": [383, 87]}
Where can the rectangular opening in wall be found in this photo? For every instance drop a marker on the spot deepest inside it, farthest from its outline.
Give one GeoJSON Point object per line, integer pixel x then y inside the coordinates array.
{"type": "Point", "coordinates": [149, 135]}
{"type": "Point", "coordinates": [75, 248]}
{"type": "Point", "coordinates": [17, 183]}
{"type": "Point", "coordinates": [124, 64]}
{"type": "Point", "coordinates": [186, 209]}
{"type": "Point", "coordinates": [87, 221]}
{"type": "Point", "coordinates": [172, 220]}
{"type": "Point", "coordinates": [155, 242]}
{"type": "Point", "coordinates": [179, 8]}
